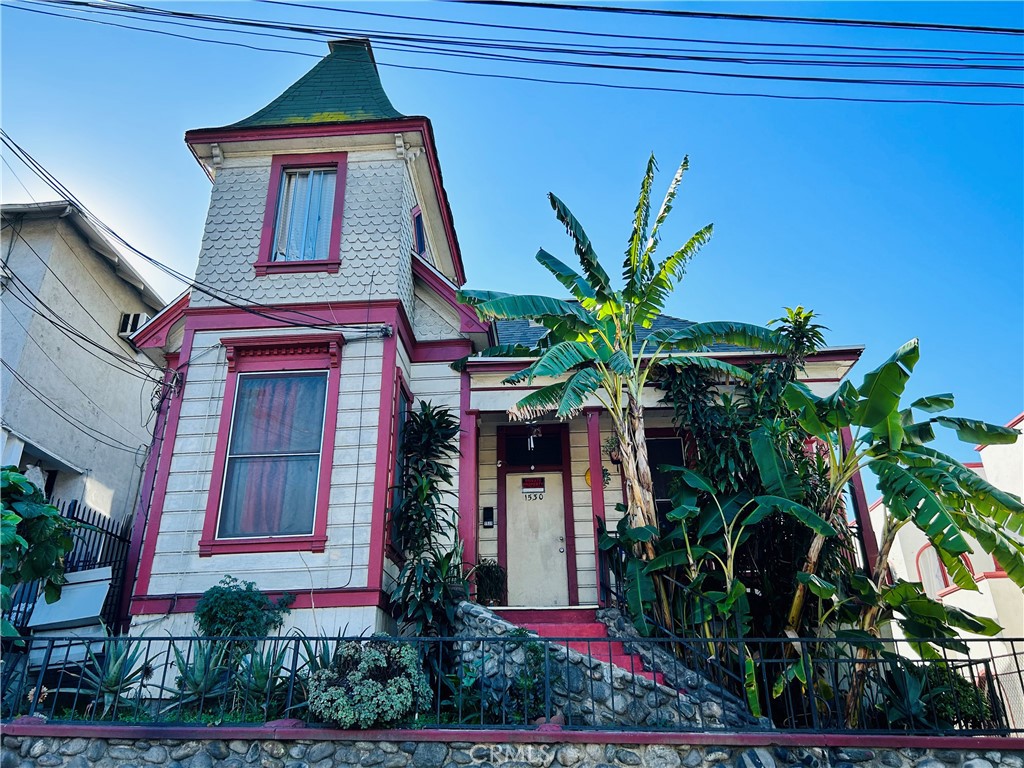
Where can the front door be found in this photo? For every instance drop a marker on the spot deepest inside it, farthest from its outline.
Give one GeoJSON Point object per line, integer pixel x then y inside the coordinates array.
{"type": "Point", "coordinates": [535, 539]}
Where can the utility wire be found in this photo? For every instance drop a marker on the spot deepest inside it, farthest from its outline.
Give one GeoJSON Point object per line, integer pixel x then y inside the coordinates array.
{"type": "Point", "coordinates": [408, 42]}
{"type": "Point", "coordinates": [523, 78]}
{"type": "Point", "coordinates": [675, 13]}
{"type": "Point", "coordinates": [561, 31]}
{"type": "Point", "coordinates": [226, 297]}
{"type": "Point", "coordinates": [92, 432]}
{"type": "Point", "coordinates": [122, 10]}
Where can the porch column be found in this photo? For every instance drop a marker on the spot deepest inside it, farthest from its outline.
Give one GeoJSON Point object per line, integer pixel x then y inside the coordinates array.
{"type": "Point", "coordinates": [866, 529]}
{"type": "Point", "coordinates": [468, 466]}
{"type": "Point", "coordinates": [593, 416]}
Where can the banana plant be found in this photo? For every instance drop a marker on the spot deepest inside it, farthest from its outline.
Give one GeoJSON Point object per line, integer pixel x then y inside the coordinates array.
{"type": "Point", "coordinates": [954, 507]}
{"type": "Point", "coordinates": [599, 344]}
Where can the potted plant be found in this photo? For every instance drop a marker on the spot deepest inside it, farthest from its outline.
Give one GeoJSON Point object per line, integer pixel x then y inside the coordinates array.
{"type": "Point", "coordinates": [490, 579]}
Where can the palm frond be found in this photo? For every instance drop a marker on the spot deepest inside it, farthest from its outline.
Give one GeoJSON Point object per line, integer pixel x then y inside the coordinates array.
{"type": "Point", "coordinates": [633, 265]}
{"type": "Point", "coordinates": [596, 276]}
{"type": "Point", "coordinates": [532, 308]}
{"type": "Point", "coordinates": [567, 276]}
{"type": "Point", "coordinates": [563, 356]}
{"type": "Point", "coordinates": [708, 364]}
{"type": "Point", "coordinates": [700, 336]}
{"type": "Point", "coordinates": [666, 207]}
{"type": "Point", "coordinates": [652, 296]}
{"type": "Point", "coordinates": [907, 496]}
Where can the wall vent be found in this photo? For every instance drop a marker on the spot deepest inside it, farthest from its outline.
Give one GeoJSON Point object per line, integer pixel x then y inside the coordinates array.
{"type": "Point", "coordinates": [131, 322]}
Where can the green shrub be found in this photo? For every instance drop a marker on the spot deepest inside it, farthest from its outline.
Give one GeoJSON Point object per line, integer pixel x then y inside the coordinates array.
{"type": "Point", "coordinates": [958, 701]}
{"type": "Point", "coordinates": [371, 683]}
{"type": "Point", "coordinates": [236, 608]}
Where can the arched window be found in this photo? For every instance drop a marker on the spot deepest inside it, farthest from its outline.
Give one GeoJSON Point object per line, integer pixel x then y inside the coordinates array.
{"type": "Point", "coordinates": [932, 573]}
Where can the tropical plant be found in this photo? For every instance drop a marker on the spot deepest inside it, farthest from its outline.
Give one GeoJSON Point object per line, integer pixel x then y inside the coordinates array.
{"type": "Point", "coordinates": [204, 674]}
{"type": "Point", "coordinates": [431, 581]}
{"type": "Point", "coordinates": [490, 578]}
{"type": "Point", "coordinates": [234, 608]}
{"type": "Point", "coordinates": [867, 427]}
{"type": "Point", "coordinates": [599, 344]}
{"type": "Point", "coordinates": [260, 679]}
{"type": "Point", "coordinates": [372, 683]}
{"type": "Point", "coordinates": [112, 679]}
{"type": "Point", "coordinates": [34, 540]}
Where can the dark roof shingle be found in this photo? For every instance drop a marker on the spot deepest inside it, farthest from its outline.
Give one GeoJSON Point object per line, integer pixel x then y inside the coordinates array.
{"type": "Point", "coordinates": [343, 87]}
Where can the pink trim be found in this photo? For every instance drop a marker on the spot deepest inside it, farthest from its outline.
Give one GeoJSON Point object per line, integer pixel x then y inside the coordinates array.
{"type": "Point", "coordinates": [35, 726]}
{"type": "Point", "coordinates": [275, 353]}
{"type": "Point", "coordinates": [145, 502]}
{"type": "Point", "coordinates": [593, 417]}
{"type": "Point", "coordinates": [335, 597]}
{"type": "Point", "coordinates": [865, 527]}
{"type": "Point", "coordinates": [279, 165]}
{"type": "Point", "coordinates": [570, 529]}
{"type": "Point", "coordinates": [163, 472]}
{"type": "Point", "coordinates": [974, 464]}
{"type": "Point", "coordinates": [468, 469]}
{"type": "Point", "coordinates": [1014, 422]}
{"type": "Point", "coordinates": [441, 351]}
{"type": "Point", "coordinates": [986, 575]}
{"type": "Point", "coordinates": [414, 214]}
{"type": "Point", "coordinates": [469, 322]}
{"type": "Point", "coordinates": [421, 124]}
{"type": "Point", "coordinates": [401, 388]}
{"type": "Point", "coordinates": [379, 511]}
{"type": "Point", "coordinates": [153, 335]}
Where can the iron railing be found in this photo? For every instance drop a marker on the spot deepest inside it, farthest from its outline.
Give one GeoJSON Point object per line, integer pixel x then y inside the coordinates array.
{"type": "Point", "coordinates": [100, 542]}
{"type": "Point", "coordinates": [519, 681]}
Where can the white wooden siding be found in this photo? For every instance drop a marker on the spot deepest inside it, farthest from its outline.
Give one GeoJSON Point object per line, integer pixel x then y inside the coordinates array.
{"type": "Point", "coordinates": [177, 567]}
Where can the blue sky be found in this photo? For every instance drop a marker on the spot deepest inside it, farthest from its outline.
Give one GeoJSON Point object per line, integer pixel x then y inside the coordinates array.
{"type": "Point", "coordinates": [891, 220]}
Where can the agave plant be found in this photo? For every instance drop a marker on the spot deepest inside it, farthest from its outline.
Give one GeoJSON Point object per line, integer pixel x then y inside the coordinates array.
{"type": "Point", "coordinates": [598, 344]}
{"type": "Point", "coordinates": [113, 677]}
{"type": "Point", "coordinates": [260, 679]}
{"type": "Point", "coordinates": [203, 674]}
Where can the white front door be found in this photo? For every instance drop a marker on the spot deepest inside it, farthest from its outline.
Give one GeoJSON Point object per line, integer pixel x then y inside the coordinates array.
{"type": "Point", "coordinates": [535, 539]}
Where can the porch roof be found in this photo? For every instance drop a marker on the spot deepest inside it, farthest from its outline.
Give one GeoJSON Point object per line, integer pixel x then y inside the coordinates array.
{"type": "Point", "coordinates": [527, 333]}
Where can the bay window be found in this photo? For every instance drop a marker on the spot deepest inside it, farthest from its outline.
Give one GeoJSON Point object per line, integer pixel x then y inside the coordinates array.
{"type": "Point", "coordinates": [271, 474]}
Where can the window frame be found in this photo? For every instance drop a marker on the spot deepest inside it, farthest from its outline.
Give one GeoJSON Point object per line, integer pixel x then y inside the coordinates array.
{"type": "Point", "coordinates": [280, 165]}
{"type": "Point", "coordinates": [948, 586]}
{"type": "Point", "coordinates": [402, 391]}
{"type": "Point", "coordinates": [417, 216]}
{"type": "Point", "coordinates": [268, 355]}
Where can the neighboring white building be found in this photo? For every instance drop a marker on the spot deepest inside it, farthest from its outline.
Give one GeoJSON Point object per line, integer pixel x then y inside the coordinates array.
{"type": "Point", "coordinates": [913, 558]}
{"type": "Point", "coordinates": [76, 408]}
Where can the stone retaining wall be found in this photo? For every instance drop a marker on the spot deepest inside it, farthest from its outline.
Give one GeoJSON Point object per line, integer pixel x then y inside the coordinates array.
{"type": "Point", "coordinates": [70, 752]}
{"type": "Point", "coordinates": [594, 692]}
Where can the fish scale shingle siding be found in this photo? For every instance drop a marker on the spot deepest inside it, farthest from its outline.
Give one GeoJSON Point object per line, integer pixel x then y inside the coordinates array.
{"type": "Point", "coordinates": [376, 238]}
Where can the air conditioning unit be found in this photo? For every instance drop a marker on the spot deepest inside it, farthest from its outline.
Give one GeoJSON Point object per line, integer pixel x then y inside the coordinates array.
{"type": "Point", "coordinates": [131, 322]}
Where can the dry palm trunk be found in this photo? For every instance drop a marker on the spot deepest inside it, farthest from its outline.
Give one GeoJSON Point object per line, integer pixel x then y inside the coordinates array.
{"type": "Point", "coordinates": [640, 493]}
{"type": "Point", "coordinates": [868, 623]}
{"type": "Point", "coordinates": [796, 608]}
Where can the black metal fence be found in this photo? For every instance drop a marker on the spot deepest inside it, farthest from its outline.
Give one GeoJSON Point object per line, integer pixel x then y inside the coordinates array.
{"type": "Point", "coordinates": [100, 542]}
{"type": "Point", "coordinates": [520, 681]}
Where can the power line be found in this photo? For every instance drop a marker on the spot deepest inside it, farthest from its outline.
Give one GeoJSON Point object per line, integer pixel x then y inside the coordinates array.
{"type": "Point", "coordinates": [142, 366]}
{"type": "Point", "coordinates": [400, 42]}
{"type": "Point", "coordinates": [523, 78]}
{"type": "Point", "coordinates": [874, 24]}
{"type": "Point", "coordinates": [226, 297]}
{"type": "Point", "coordinates": [646, 38]}
{"type": "Point", "coordinates": [73, 383]}
{"type": "Point", "coordinates": [576, 49]}
{"type": "Point", "coordinates": [92, 432]}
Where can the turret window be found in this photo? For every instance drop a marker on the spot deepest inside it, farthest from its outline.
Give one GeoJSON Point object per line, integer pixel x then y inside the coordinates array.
{"type": "Point", "coordinates": [304, 214]}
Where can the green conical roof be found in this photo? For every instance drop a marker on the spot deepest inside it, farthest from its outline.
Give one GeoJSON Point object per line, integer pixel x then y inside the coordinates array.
{"type": "Point", "coordinates": [343, 87]}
